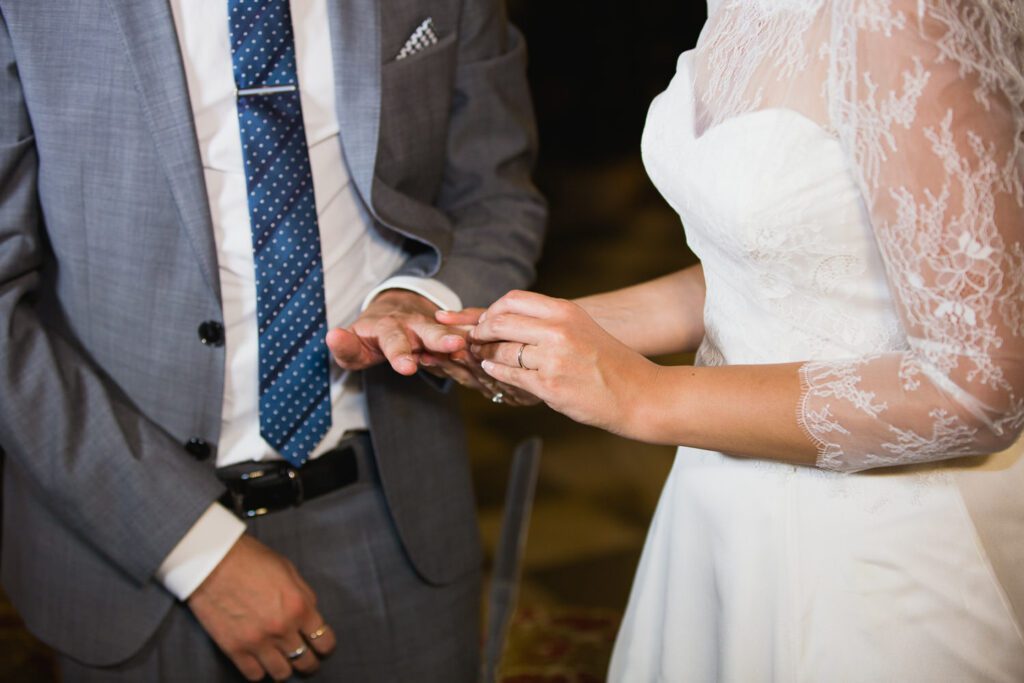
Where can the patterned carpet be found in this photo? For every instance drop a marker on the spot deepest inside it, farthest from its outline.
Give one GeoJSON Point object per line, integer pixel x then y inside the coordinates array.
{"type": "Point", "coordinates": [559, 646]}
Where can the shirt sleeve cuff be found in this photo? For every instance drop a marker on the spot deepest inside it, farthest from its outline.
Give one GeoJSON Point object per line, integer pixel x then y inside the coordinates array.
{"type": "Point", "coordinates": [200, 551]}
{"type": "Point", "coordinates": [437, 292]}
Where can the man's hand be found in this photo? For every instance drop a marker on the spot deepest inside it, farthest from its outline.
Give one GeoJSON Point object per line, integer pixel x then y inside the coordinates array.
{"type": "Point", "coordinates": [258, 609]}
{"type": "Point", "coordinates": [465, 368]}
{"type": "Point", "coordinates": [397, 327]}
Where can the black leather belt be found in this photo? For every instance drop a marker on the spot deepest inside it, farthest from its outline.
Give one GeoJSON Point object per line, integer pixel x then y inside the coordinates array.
{"type": "Point", "coordinates": [258, 488]}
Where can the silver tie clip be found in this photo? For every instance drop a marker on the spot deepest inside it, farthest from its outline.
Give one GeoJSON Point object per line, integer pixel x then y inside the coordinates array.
{"type": "Point", "coordinates": [266, 90]}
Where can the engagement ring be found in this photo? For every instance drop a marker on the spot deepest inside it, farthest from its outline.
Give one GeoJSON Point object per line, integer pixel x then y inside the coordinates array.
{"type": "Point", "coordinates": [498, 398]}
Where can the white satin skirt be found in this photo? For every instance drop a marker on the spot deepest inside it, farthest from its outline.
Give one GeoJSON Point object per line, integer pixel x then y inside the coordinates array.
{"type": "Point", "coordinates": [756, 571]}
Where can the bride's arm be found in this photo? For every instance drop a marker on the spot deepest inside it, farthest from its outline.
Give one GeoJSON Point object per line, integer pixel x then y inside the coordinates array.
{"type": "Point", "coordinates": [579, 369]}
{"type": "Point", "coordinates": [743, 410]}
{"type": "Point", "coordinates": [655, 318]}
{"type": "Point", "coordinates": [659, 317]}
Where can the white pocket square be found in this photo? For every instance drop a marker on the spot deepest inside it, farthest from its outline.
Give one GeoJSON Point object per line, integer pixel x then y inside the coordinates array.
{"type": "Point", "coordinates": [423, 37]}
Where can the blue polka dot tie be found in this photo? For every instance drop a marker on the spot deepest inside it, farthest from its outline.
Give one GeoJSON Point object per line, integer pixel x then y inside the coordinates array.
{"type": "Point", "coordinates": [295, 409]}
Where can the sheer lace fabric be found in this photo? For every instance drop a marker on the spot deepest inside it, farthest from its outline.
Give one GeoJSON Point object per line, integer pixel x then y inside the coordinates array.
{"type": "Point", "coordinates": [848, 173]}
{"type": "Point", "coordinates": [925, 98]}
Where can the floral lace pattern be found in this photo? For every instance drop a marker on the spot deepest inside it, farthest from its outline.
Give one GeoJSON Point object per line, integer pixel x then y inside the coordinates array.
{"type": "Point", "coordinates": [744, 40]}
{"type": "Point", "coordinates": [926, 99]}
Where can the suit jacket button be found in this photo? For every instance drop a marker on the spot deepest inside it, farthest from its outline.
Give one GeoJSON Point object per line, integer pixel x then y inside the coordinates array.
{"type": "Point", "coordinates": [198, 448]}
{"type": "Point", "coordinates": [211, 333]}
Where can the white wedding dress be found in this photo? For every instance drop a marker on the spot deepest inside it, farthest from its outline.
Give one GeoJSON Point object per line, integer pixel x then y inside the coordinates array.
{"type": "Point", "coordinates": [850, 174]}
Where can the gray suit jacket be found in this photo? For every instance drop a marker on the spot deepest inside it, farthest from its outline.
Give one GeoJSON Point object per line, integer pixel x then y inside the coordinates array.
{"type": "Point", "coordinates": [108, 265]}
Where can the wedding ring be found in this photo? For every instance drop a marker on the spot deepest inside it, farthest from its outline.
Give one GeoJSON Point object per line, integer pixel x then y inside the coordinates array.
{"type": "Point", "coordinates": [318, 633]}
{"type": "Point", "coordinates": [296, 653]}
{"type": "Point", "coordinates": [498, 397]}
{"type": "Point", "coordinates": [519, 357]}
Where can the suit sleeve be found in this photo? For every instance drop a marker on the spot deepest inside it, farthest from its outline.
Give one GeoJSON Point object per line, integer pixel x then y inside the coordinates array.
{"type": "Point", "coordinates": [110, 474]}
{"type": "Point", "coordinates": [498, 214]}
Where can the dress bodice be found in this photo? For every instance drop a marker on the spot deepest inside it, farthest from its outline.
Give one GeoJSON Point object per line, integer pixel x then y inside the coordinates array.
{"type": "Point", "coordinates": [851, 174]}
{"type": "Point", "coordinates": [773, 212]}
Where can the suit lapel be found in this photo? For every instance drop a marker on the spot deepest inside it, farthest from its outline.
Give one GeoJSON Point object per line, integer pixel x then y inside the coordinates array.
{"type": "Point", "coordinates": [355, 43]}
{"type": "Point", "coordinates": [149, 35]}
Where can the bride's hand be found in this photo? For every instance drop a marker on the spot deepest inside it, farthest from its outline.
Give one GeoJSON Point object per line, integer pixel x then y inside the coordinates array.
{"type": "Point", "coordinates": [554, 350]}
{"type": "Point", "coordinates": [464, 368]}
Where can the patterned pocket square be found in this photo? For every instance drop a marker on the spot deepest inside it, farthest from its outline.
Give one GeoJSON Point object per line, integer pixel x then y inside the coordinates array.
{"type": "Point", "coordinates": [423, 37]}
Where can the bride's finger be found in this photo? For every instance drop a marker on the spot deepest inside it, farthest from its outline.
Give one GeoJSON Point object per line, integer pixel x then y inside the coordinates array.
{"type": "Point", "coordinates": [523, 379]}
{"type": "Point", "coordinates": [514, 355]}
{"type": "Point", "coordinates": [529, 303]}
{"type": "Point", "coordinates": [511, 327]}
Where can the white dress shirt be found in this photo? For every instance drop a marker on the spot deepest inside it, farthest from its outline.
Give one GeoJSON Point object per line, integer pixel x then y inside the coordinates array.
{"type": "Point", "coordinates": [357, 259]}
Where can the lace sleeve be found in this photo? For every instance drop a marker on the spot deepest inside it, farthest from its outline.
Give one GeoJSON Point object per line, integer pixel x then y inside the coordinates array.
{"type": "Point", "coordinates": [927, 97]}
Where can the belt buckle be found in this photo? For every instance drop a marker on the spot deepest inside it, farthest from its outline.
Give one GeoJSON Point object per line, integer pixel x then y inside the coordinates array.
{"type": "Point", "coordinates": [274, 485]}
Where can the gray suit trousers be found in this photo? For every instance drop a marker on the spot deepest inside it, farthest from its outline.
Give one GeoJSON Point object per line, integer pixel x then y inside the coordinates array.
{"type": "Point", "coordinates": [391, 626]}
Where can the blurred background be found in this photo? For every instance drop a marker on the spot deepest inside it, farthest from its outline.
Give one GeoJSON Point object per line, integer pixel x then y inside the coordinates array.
{"type": "Point", "coordinates": [594, 68]}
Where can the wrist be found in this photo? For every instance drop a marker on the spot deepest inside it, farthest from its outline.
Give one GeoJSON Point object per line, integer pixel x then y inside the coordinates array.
{"type": "Point", "coordinates": [599, 310]}
{"type": "Point", "coordinates": [431, 290]}
{"type": "Point", "coordinates": [403, 296]}
{"type": "Point", "coordinates": [640, 408]}
{"type": "Point", "coordinates": [199, 552]}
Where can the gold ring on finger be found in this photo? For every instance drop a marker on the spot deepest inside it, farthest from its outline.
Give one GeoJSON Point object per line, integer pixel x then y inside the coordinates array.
{"type": "Point", "coordinates": [319, 633]}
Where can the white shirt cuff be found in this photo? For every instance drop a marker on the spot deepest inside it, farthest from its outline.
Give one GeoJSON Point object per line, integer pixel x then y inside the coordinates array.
{"type": "Point", "coordinates": [437, 292]}
{"type": "Point", "coordinates": [200, 551]}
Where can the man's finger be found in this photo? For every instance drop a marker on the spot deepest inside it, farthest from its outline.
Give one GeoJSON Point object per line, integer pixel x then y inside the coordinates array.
{"type": "Point", "coordinates": [250, 667]}
{"type": "Point", "coordinates": [437, 338]}
{"type": "Point", "coordinates": [451, 370]}
{"type": "Point", "coordinates": [468, 316]}
{"type": "Point", "coordinates": [433, 366]}
{"type": "Point", "coordinates": [274, 663]}
{"type": "Point", "coordinates": [396, 346]}
{"type": "Point", "coordinates": [312, 625]}
{"type": "Point", "coordinates": [519, 398]}
{"type": "Point", "coordinates": [484, 382]}
{"type": "Point", "coordinates": [319, 635]}
{"type": "Point", "coordinates": [307, 662]}
{"type": "Point", "coordinates": [348, 349]}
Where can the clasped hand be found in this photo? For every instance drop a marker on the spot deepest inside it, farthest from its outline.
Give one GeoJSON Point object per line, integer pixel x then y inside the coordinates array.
{"type": "Point", "coordinates": [552, 349]}
{"type": "Point", "coordinates": [528, 347]}
{"type": "Point", "coordinates": [399, 327]}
